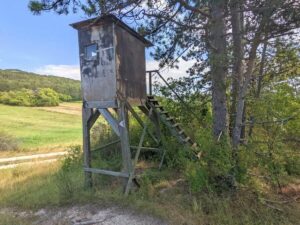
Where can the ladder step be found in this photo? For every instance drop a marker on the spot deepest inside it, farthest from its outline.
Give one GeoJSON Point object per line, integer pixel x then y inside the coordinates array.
{"type": "Point", "coordinates": [159, 106]}
{"type": "Point", "coordinates": [164, 112]}
{"type": "Point", "coordinates": [181, 132]}
{"type": "Point", "coordinates": [187, 139]}
{"type": "Point", "coordinates": [170, 118]}
{"type": "Point", "coordinates": [153, 100]}
{"type": "Point", "coordinates": [176, 125]}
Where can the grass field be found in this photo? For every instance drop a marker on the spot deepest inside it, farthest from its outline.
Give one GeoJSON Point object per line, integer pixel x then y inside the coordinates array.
{"type": "Point", "coordinates": [164, 193]}
{"type": "Point", "coordinates": [44, 127]}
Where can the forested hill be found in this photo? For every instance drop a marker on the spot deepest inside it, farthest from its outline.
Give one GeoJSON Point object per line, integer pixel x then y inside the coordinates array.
{"type": "Point", "coordinates": [12, 80]}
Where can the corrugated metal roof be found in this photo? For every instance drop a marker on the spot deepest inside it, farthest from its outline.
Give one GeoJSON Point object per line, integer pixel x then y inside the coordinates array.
{"type": "Point", "coordinates": [110, 18]}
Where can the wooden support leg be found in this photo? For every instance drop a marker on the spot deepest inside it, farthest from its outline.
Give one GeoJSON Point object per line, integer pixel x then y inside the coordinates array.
{"type": "Point", "coordinates": [126, 154]}
{"type": "Point", "coordinates": [86, 114]}
{"type": "Point", "coordinates": [155, 119]}
{"type": "Point", "coordinates": [137, 154]}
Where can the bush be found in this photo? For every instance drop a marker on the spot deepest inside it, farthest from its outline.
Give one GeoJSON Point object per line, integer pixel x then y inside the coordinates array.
{"type": "Point", "coordinates": [196, 176]}
{"type": "Point", "coordinates": [67, 179]}
{"type": "Point", "coordinates": [65, 98]}
{"type": "Point", "coordinates": [46, 97]}
{"type": "Point", "coordinates": [8, 142]}
{"type": "Point", "coordinates": [26, 97]}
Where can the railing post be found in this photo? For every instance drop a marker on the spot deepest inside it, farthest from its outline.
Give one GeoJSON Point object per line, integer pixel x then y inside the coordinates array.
{"type": "Point", "coordinates": [150, 83]}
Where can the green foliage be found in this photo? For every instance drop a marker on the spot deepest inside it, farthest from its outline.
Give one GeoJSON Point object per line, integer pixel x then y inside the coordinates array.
{"type": "Point", "coordinates": [26, 97]}
{"type": "Point", "coordinates": [14, 80]}
{"type": "Point", "coordinates": [276, 147]}
{"type": "Point", "coordinates": [46, 97]}
{"type": "Point", "coordinates": [213, 172]}
{"type": "Point", "coordinates": [73, 158]}
{"type": "Point", "coordinates": [197, 177]}
{"type": "Point", "coordinates": [67, 183]}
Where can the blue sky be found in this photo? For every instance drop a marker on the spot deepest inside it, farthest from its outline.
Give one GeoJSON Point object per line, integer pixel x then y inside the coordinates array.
{"type": "Point", "coordinates": [30, 42]}
{"type": "Point", "coordinates": [44, 44]}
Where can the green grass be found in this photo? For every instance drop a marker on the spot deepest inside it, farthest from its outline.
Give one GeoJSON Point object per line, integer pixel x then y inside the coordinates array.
{"type": "Point", "coordinates": [40, 128]}
{"type": "Point", "coordinates": [28, 189]}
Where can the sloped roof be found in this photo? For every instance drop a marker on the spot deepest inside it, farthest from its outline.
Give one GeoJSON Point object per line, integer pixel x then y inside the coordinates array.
{"type": "Point", "coordinates": [110, 18]}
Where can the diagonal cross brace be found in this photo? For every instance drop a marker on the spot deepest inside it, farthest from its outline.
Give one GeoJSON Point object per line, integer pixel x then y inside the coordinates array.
{"type": "Point", "coordinates": [111, 120]}
{"type": "Point", "coordinates": [137, 154]}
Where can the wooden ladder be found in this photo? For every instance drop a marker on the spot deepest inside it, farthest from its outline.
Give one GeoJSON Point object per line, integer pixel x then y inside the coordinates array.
{"type": "Point", "coordinates": [165, 117]}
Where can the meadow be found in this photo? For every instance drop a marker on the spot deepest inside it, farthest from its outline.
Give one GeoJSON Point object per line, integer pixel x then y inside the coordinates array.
{"type": "Point", "coordinates": [166, 193]}
{"type": "Point", "coordinates": [42, 128]}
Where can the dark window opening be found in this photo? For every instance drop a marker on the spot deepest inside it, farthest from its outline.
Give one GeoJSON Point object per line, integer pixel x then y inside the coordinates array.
{"type": "Point", "coordinates": [91, 52]}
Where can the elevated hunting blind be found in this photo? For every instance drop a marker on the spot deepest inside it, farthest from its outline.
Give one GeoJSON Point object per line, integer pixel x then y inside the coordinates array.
{"type": "Point", "coordinates": [112, 62]}
{"type": "Point", "coordinates": [113, 79]}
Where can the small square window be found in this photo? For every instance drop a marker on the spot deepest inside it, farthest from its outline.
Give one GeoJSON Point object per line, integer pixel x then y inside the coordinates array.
{"type": "Point", "coordinates": [91, 52]}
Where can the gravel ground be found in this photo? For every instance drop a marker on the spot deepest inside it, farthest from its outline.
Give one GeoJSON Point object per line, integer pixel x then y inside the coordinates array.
{"type": "Point", "coordinates": [85, 215]}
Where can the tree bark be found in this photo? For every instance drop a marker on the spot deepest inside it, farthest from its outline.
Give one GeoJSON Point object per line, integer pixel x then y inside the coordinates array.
{"type": "Point", "coordinates": [238, 55]}
{"type": "Point", "coordinates": [242, 94]}
{"type": "Point", "coordinates": [218, 63]}
{"type": "Point", "coordinates": [256, 41]}
{"type": "Point", "coordinates": [259, 83]}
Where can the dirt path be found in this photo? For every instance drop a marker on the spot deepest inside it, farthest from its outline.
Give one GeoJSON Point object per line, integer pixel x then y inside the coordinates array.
{"type": "Point", "coordinates": [12, 162]}
{"type": "Point", "coordinates": [84, 215]}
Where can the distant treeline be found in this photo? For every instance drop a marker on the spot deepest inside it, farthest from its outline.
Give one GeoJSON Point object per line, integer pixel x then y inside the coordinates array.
{"type": "Point", "coordinates": [29, 89]}
{"type": "Point", "coordinates": [39, 97]}
{"type": "Point", "coordinates": [11, 80]}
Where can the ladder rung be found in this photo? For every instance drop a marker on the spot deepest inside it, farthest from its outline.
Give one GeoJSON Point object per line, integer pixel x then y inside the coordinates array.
{"type": "Point", "coordinates": [159, 106]}
{"type": "Point", "coordinates": [187, 139]}
{"type": "Point", "coordinates": [181, 132]}
{"type": "Point", "coordinates": [175, 125]}
{"type": "Point", "coordinates": [164, 112]}
{"type": "Point", "coordinates": [153, 100]}
{"type": "Point", "coordinates": [170, 118]}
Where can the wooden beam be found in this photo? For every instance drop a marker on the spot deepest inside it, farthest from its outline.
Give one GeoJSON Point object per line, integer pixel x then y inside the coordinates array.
{"type": "Point", "coordinates": [136, 158]}
{"type": "Point", "coordinates": [147, 148]}
{"type": "Point", "coordinates": [106, 172]}
{"type": "Point", "coordinates": [140, 121]}
{"type": "Point", "coordinates": [95, 115]}
{"type": "Point", "coordinates": [126, 154]}
{"type": "Point", "coordinates": [110, 119]}
{"type": "Point", "coordinates": [86, 115]}
{"type": "Point", "coordinates": [104, 146]}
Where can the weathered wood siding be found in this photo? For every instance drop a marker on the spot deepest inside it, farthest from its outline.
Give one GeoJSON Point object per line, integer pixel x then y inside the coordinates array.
{"type": "Point", "coordinates": [130, 66]}
{"type": "Point", "coordinates": [98, 76]}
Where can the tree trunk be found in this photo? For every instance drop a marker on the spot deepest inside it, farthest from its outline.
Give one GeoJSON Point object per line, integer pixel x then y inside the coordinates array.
{"type": "Point", "coordinates": [238, 54]}
{"type": "Point", "coordinates": [241, 96]}
{"type": "Point", "coordinates": [238, 67]}
{"type": "Point", "coordinates": [218, 63]}
{"type": "Point", "coordinates": [259, 83]}
{"type": "Point", "coordinates": [262, 29]}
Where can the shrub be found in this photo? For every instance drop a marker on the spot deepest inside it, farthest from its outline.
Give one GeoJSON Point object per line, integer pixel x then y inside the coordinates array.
{"type": "Point", "coordinates": [196, 176]}
{"type": "Point", "coordinates": [26, 97]}
{"type": "Point", "coordinates": [8, 142]}
{"type": "Point", "coordinates": [65, 98]}
{"type": "Point", "coordinates": [46, 97]}
{"type": "Point", "coordinates": [67, 179]}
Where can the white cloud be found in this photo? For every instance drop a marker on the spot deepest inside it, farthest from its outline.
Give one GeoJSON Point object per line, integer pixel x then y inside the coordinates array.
{"type": "Point", "coordinates": [73, 71]}
{"type": "Point", "coordinates": [171, 72]}
{"type": "Point", "coordinates": [69, 71]}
